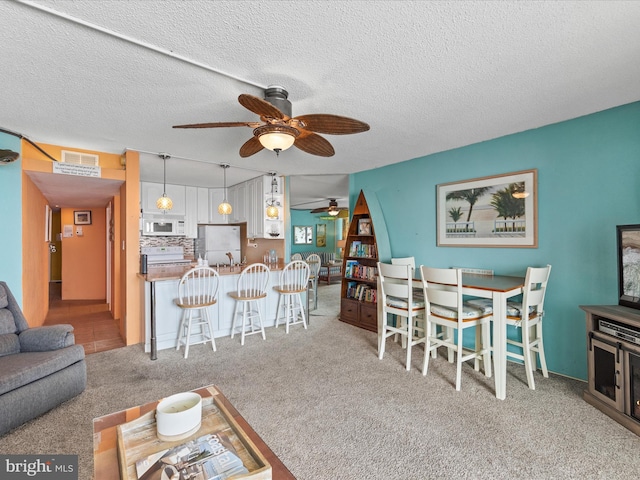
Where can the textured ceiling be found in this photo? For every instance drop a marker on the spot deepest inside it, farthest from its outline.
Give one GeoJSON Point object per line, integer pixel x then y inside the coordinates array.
{"type": "Point", "coordinates": [427, 76]}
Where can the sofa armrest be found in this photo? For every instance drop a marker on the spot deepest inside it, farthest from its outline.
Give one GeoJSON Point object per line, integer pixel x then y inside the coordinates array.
{"type": "Point", "coordinates": [43, 339]}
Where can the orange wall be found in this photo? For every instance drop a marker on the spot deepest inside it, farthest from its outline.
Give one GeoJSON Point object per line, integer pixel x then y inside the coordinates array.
{"type": "Point", "coordinates": [35, 255]}
{"type": "Point", "coordinates": [84, 257]}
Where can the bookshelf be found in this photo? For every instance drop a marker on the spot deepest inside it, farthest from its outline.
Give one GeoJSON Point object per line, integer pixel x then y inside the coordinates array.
{"type": "Point", "coordinates": [367, 243]}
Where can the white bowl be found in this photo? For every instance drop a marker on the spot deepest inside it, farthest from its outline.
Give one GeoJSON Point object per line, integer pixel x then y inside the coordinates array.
{"type": "Point", "coordinates": [178, 416]}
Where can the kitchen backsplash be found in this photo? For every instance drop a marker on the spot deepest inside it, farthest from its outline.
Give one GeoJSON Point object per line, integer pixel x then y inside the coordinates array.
{"type": "Point", "coordinates": [187, 243]}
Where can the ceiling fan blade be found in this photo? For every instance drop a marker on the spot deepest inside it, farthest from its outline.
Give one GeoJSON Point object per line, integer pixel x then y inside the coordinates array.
{"type": "Point", "coordinates": [314, 144]}
{"type": "Point", "coordinates": [250, 147]}
{"type": "Point", "coordinates": [220, 124]}
{"type": "Point", "coordinates": [331, 124]}
{"type": "Point", "coordinates": [320, 210]}
{"type": "Point", "coordinates": [260, 107]}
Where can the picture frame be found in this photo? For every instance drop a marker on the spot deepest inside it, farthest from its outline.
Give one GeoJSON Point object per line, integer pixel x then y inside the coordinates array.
{"type": "Point", "coordinates": [82, 217]}
{"type": "Point", "coordinates": [321, 235]}
{"type": "Point", "coordinates": [494, 211]}
{"type": "Point", "coordinates": [364, 226]}
{"type": "Point", "coordinates": [302, 235]}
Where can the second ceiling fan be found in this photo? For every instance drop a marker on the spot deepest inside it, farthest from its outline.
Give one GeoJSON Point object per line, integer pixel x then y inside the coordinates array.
{"type": "Point", "coordinates": [278, 130]}
{"type": "Point", "coordinates": [332, 209]}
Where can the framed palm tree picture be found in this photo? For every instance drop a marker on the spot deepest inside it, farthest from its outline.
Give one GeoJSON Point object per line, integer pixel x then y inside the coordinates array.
{"type": "Point", "coordinates": [495, 211]}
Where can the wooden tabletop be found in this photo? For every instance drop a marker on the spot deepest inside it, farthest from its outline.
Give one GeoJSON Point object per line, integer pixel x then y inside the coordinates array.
{"type": "Point", "coordinates": [105, 450]}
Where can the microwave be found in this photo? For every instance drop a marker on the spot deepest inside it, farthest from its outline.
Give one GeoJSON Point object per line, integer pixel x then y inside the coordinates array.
{"type": "Point", "coordinates": [162, 226]}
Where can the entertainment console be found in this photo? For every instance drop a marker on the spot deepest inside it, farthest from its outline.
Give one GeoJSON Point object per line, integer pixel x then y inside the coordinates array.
{"type": "Point", "coordinates": [613, 353]}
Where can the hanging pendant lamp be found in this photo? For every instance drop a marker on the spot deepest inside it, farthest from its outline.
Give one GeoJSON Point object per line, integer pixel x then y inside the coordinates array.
{"type": "Point", "coordinates": [225, 208]}
{"type": "Point", "coordinates": [272, 210]}
{"type": "Point", "coordinates": [164, 202]}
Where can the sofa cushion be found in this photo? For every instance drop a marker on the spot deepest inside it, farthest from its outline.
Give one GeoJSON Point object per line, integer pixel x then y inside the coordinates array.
{"type": "Point", "coordinates": [23, 368]}
{"type": "Point", "coordinates": [4, 302]}
{"type": "Point", "coordinates": [9, 344]}
{"type": "Point", "coordinates": [7, 324]}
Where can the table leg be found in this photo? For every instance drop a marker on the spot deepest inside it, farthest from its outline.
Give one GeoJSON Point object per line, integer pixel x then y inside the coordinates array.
{"type": "Point", "coordinates": [500, 344]}
{"type": "Point", "coordinates": [153, 340]}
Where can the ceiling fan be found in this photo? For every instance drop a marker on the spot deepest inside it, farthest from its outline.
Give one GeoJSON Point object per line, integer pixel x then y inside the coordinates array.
{"type": "Point", "coordinates": [332, 209]}
{"type": "Point", "coordinates": [277, 130]}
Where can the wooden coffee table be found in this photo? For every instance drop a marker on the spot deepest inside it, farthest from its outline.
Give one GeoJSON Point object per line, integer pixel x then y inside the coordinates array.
{"type": "Point", "coordinates": [105, 450]}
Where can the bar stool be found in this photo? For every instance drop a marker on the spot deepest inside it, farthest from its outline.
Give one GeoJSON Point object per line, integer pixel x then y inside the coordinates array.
{"type": "Point", "coordinates": [294, 280]}
{"type": "Point", "coordinates": [197, 291]}
{"type": "Point", "coordinates": [314, 262]}
{"type": "Point", "coordinates": [252, 287]}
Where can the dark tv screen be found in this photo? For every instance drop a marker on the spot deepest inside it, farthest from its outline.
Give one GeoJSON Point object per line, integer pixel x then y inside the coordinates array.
{"type": "Point", "coordinates": [629, 265]}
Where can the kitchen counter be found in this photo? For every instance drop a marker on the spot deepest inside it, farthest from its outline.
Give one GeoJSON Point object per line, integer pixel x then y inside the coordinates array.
{"type": "Point", "coordinates": [159, 288]}
{"type": "Point", "coordinates": [175, 272]}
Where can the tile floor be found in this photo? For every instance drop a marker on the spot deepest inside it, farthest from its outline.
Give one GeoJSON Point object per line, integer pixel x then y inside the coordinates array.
{"type": "Point", "coordinates": [94, 327]}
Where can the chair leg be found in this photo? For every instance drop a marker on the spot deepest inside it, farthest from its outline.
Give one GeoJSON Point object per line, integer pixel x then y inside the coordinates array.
{"type": "Point", "coordinates": [543, 361]}
{"type": "Point", "coordinates": [383, 339]}
{"type": "Point", "coordinates": [278, 307]}
{"type": "Point", "coordinates": [181, 329]}
{"type": "Point", "coordinates": [427, 345]}
{"type": "Point", "coordinates": [210, 325]}
{"type": "Point", "coordinates": [459, 361]}
{"type": "Point", "coordinates": [409, 334]}
{"type": "Point", "coordinates": [478, 347]}
{"type": "Point", "coordinates": [244, 321]}
{"type": "Point", "coordinates": [526, 353]}
{"type": "Point", "coordinates": [186, 348]}
{"type": "Point", "coordinates": [264, 337]}
{"type": "Point", "coordinates": [486, 346]}
{"type": "Point", "coordinates": [302, 313]}
{"type": "Point", "coordinates": [235, 319]}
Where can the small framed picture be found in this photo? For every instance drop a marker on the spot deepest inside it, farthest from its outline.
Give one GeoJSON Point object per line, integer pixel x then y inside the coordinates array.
{"type": "Point", "coordinates": [82, 217]}
{"type": "Point", "coordinates": [364, 226]}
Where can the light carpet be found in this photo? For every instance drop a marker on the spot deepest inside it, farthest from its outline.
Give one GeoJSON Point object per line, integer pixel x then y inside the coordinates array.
{"type": "Point", "coordinates": [330, 409]}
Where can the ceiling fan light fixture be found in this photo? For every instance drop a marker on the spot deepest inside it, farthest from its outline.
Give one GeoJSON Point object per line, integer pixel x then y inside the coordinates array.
{"type": "Point", "coordinates": [333, 212]}
{"type": "Point", "coordinates": [276, 137]}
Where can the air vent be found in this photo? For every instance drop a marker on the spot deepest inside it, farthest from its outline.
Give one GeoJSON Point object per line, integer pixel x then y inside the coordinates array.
{"type": "Point", "coordinates": [79, 158]}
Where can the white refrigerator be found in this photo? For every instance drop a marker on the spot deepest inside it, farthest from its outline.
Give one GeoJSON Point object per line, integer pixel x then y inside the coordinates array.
{"type": "Point", "coordinates": [215, 242]}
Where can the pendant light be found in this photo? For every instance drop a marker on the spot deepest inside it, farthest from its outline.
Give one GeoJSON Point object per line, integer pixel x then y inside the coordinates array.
{"type": "Point", "coordinates": [164, 202]}
{"type": "Point", "coordinates": [225, 208]}
{"type": "Point", "coordinates": [272, 210]}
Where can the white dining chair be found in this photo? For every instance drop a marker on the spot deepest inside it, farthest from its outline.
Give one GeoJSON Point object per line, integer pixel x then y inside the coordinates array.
{"type": "Point", "coordinates": [314, 262]}
{"type": "Point", "coordinates": [444, 306]}
{"type": "Point", "coordinates": [197, 292]}
{"type": "Point", "coordinates": [252, 288]}
{"type": "Point", "coordinates": [294, 280]}
{"type": "Point", "coordinates": [527, 316]}
{"type": "Point", "coordinates": [398, 297]}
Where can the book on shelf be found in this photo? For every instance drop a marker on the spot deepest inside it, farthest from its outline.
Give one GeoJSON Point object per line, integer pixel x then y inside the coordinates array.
{"type": "Point", "coordinates": [209, 457]}
{"type": "Point", "coordinates": [365, 250]}
{"type": "Point", "coordinates": [363, 293]}
{"type": "Point", "coordinates": [353, 249]}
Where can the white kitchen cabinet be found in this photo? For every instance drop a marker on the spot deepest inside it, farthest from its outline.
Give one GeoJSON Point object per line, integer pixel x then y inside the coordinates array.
{"type": "Point", "coordinates": [191, 216]}
{"type": "Point", "coordinates": [203, 214]}
{"type": "Point", "coordinates": [150, 192]}
{"type": "Point", "coordinates": [237, 197]}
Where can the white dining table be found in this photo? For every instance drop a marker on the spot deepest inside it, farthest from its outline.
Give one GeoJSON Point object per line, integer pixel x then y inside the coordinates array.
{"type": "Point", "coordinates": [499, 288]}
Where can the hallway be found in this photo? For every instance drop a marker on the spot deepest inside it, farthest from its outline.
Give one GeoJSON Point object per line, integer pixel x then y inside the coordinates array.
{"type": "Point", "coordinates": [94, 327]}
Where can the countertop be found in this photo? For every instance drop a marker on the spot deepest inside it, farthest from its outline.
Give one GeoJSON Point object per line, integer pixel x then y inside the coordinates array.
{"type": "Point", "coordinates": [175, 272]}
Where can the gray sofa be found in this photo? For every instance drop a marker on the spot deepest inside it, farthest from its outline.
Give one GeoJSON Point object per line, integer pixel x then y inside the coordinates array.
{"type": "Point", "coordinates": [40, 367]}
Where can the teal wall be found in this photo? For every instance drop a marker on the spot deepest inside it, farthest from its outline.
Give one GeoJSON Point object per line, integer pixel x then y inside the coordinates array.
{"type": "Point", "coordinates": [11, 219]}
{"type": "Point", "coordinates": [304, 218]}
{"type": "Point", "coordinates": [588, 182]}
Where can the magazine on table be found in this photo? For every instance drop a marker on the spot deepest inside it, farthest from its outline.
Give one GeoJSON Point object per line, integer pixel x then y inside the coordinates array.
{"type": "Point", "coordinates": [209, 457]}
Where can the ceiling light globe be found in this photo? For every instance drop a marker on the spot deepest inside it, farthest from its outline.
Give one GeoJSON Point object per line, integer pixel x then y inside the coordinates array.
{"type": "Point", "coordinates": [520, 194]}
{"type": "Point", "coordinates": [276, 137]}
{"type": "Point", "coordinates": [272, 211]}
{"type": "Point", "coordinates": [224, 208]}
{"type": "Point", "coordinates": [333, 213]}
{"type": "Point", "coordinates": [164, 202]}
